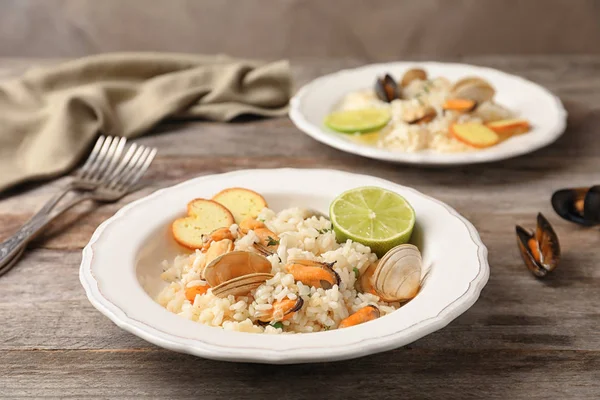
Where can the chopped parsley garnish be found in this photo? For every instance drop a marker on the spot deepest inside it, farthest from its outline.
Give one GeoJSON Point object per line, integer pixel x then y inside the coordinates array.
{"type": "Point", "coordinates": [327, 328]}
{"type": "Point", "coordinates": [278, 325]}
{"type": "Point", "coordinates": [356, 272]}
{"type": "Point", "coordinates": [322, 231]}
{"type": "Point", "coordinates": [272, 242]}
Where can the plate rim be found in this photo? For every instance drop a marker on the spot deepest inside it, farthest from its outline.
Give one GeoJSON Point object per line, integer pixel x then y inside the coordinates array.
{"type": "Point", "coordinates": [378, 344]}
{"type": "Point", "coordinates": [421, 158]}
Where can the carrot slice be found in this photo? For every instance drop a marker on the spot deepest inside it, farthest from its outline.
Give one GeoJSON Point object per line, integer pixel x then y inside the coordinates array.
{"type": "Point", "coordinates": [474, 134]}
{"type": "Point", "coordinates": [461, 105]}
{"type": "Point", "coordinates": [509, 127]}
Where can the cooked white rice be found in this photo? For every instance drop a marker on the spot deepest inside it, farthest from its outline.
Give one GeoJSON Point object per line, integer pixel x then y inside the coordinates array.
{"type": "Point", "coordinates": [434, 135]}
{"type": "Point", "coordinates": [301, 237]}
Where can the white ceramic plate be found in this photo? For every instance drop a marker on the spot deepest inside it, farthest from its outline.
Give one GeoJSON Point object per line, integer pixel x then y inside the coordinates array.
{"type": "Point", "coordinates": [545, 111]}
{"type": "Point", "coordinates": [122, 263]}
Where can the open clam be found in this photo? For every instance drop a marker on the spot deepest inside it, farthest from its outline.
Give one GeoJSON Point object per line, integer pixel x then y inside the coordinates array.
{"type": "Point", "coordinates": [217, 249]}
{"type": "Point", "coordinates": [241, 285]}
{"type": "Point", "coordinates": [237, 273]}
{"type": "Point", "coordinates": [313, 273]}
{"type": "Point", "coordinates": [579, 205]}
{"type": "Point", "coordinates": [540, 249]}
{"type": "Point", "coordinates": [475, 89]}
{"type": "Point", "coordinates": [413, 74]}
{"type": "Point", "coordinates": [397, 275]}
{"type": "Point", "coordinates": [386, 89]}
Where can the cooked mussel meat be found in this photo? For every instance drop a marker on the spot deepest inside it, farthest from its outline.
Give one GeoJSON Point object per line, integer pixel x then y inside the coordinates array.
{"type": "Point", "coordinates": [540, 249]}
{"type": "Point", "coordinates": [579, 205]}
{"type": "Point", "coordinates": [365, 314]}
{"type": "Point", "coordinates": [281, 310]}
{"type": "Point", "coordinates": [313, 273]}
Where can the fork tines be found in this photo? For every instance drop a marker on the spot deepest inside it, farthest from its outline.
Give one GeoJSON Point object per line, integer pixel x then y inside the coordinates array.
{"type": "Point", "coordinates": [106, 165]}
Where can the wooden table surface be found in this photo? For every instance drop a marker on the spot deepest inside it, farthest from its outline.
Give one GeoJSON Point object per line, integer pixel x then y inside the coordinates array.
{"type": "Point", "coordinates": [523, 339]}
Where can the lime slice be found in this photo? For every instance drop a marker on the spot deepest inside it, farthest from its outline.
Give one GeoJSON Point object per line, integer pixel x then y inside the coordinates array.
{"type": "Point", "coordinates": [372, 216]}
{"type": "Point", "coordinates": [352, 121]}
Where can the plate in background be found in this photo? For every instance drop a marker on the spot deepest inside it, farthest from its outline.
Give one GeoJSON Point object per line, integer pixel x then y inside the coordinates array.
{"type": "Point", "coordinates": [529, 100]}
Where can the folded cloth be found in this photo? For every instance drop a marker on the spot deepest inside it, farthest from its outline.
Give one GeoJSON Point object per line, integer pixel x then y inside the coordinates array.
{"type": "Point", "coordinates": [50, 116]}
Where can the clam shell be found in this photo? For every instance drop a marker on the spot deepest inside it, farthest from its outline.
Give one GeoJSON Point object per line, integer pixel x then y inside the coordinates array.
{"type": "Point", "coordinates": [413, 74]}
{"type": "Point", "coordinates": [472, 88]}
{"type": "Point", "coordinates": [216, 250]}
{"type": "Point", "coordinates": [398, 274]}
{"type": "Point", "coordinates": [241, 285]}
{"type": "Point", "coordinates": [234, 265]}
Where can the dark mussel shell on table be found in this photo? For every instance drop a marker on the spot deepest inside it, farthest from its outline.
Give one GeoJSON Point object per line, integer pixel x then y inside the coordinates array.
{"type": "Point", "coordinates": [540, 250]}
{"type": "Point", "coordinates": [387, 89]}
{"type": "Point", "coordinates": [579, 205]}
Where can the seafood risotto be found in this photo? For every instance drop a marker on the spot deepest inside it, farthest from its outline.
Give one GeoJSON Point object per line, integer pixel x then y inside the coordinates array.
{"type": "Point", "coordinates": [422, 113]}
{"type": "Point", "coordinates": [285, 272]}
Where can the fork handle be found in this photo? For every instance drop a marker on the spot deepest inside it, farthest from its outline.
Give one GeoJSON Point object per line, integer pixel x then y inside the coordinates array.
{"type": "Point", "coordinates": [12, 247]}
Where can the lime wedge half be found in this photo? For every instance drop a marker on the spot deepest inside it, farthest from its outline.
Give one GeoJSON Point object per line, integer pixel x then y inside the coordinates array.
{"type": "Point", "coordinates": [372, 216]}
{"type": "Point", "coordinates": [352, 121]}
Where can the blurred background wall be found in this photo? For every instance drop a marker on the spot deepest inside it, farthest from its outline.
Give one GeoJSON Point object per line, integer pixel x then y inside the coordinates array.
{"type": "Point", "coordinates": [368, 29]}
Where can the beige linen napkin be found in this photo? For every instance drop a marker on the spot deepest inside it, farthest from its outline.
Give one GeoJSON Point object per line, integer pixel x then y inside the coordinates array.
{"type": "Point", "coordinates": [50, 116]}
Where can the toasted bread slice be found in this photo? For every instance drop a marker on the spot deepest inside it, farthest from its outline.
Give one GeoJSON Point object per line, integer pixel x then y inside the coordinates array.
{"type": "Point", "coordinates": [204, 216]}
{"type": "Point", "coordinates": [243, 203]}
{"type": "Point", "coordinates": [474, 134]}
{"type": "Point", "coordinates": [506, 128]}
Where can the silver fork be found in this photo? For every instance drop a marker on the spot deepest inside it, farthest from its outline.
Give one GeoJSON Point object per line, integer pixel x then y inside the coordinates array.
{"type": "Point", "coordinates": [105, 177]}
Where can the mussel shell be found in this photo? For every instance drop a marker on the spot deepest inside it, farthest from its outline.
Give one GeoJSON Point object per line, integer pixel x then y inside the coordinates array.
{"type": "Point", "coordinates": [523, 237]}
{"type": "Point", "coordinates": [549, 248]}
{"type": "Point", "coordinates": [386, 89]}
{"type": "Point", "coordinates": [548, 243]}
{"type": "Point", "coordinates": [579, 205]}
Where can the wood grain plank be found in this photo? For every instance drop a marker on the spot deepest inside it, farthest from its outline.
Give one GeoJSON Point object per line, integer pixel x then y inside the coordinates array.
{"type": "Point", "coordinates": [403, 373]}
